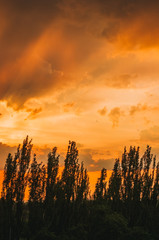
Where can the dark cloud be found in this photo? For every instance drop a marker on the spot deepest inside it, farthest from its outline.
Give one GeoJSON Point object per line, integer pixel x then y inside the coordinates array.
{"type": "Point", "coordinates": [130, 23]}
{"type": "Point", "coordinates": [25, 75]}
{"type": "Point", "coordinates": [39, 40]}
{"type": "Point", "coordinates": [93, 165]}
{"type": "Point", "coordinates": [28, 84]}
{"type": "Point", "coordinates": [26, 20]}
{"type": "Point", "coordinates": [4, 150]}
{"type": "Point", "coordinates": [41, 153]}
{"type": "Point", "coordinates": [85, 155]}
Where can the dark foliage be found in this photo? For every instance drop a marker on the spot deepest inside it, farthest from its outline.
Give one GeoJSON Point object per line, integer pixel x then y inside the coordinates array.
{"type": "Point", "coordinates": [125, 206]}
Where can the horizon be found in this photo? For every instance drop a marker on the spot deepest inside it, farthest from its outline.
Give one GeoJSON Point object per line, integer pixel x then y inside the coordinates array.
{"type": "Point", "coordinates": [93, 168]}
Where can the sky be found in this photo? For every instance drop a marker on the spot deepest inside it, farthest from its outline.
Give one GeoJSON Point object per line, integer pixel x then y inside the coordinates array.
{"type": "Point", "coordinates": [86, 71]}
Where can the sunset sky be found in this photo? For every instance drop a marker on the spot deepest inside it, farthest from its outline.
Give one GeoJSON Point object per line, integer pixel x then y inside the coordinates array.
{"type": "Point", "coordinates": [85, 70]}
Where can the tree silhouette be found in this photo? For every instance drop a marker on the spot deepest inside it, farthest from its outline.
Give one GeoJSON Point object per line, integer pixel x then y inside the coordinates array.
{"type": "Point", "coordinates": [36, 183]}
{"type": "Point", "coordinates": [8, 194]}
{"type": "Point", "coordinates": [51, 185]}
{"type": "Point", "coordinates": [114, 190]}
{"type": "Point", "coordinates": [155, 191]}
{"type": "Point", "coordinates": [100, 188]}
{"type": "Point", "coordinates": [23, 160]}
{"type": "Point", "coordinates": [82, 184]}
{"type": "Point", "coordinates": [70, 172]}
{"type": "Point", "coordinates": [60, 207]}
{"type": "Point", "coordinates": [148, 177]}
{"type": "Point", "coordinates": [52, 171]}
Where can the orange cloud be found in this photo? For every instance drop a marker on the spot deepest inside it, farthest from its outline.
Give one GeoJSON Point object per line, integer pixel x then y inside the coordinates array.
{"type": "Point", "coordinates": [68, 106]}
{"type": "Point", "coordinates": [60, 66]}
{"type": "Point", "coordinates": [138, 108]}
{"type": "Point", "coordinates": [58, 43]}
{"type": "Point", "coordinates": [4, 151]}
{"type": "Point", "coordinates": [33, 113]}
{"type": "Point", "coordinates": [102, 111]}
{"type": "Point", "coordinates": [114, 116]}
{"type": "Point", "coordinates": [121, 81]}
{"type": "Point", "coordinates": [150, 135]}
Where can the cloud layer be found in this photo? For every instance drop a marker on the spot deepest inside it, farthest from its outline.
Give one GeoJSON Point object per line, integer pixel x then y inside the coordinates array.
{"type": "Point", "coordinates": [48, 44]}
{"type": "Point", "coordinates": [79, 70]}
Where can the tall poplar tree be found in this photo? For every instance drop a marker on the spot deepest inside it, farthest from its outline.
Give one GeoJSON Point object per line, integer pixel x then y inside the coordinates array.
{"type": "Point", "coordinates": [23, 161]}
{"type": "Point", "coordinates": [70, 172]}
{"type": "Point", "coordinates": [100, 188]}
{"type": "Point", "coordinates": [52, 172]}
{"type": "Point", "coordinates": [36, 183]}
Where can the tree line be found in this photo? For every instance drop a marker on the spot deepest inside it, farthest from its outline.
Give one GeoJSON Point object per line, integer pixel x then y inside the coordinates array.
{"type": "Point", "coordinates": [60, 207]}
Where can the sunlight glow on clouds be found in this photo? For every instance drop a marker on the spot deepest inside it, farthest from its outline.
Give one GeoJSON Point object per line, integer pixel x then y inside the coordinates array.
{"type": "Point", "coordinates": [79, 70]}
